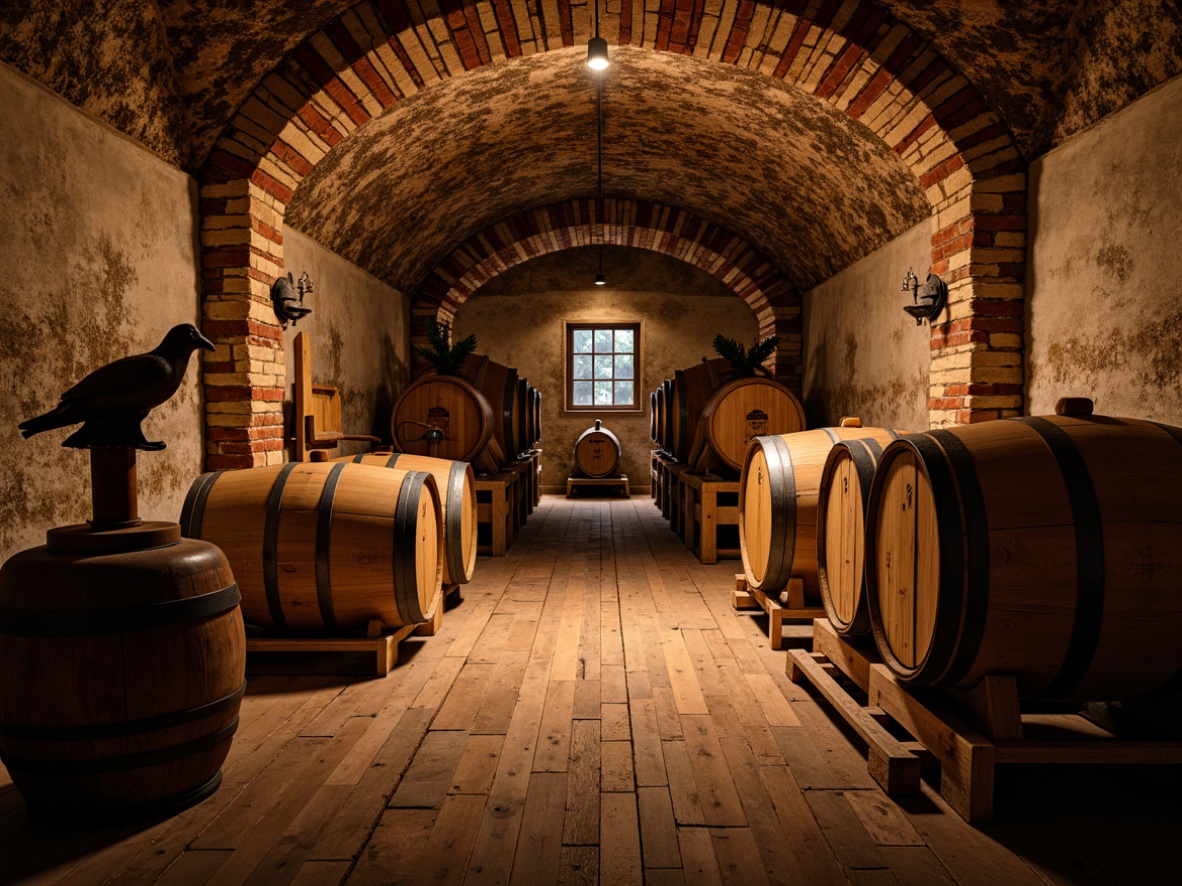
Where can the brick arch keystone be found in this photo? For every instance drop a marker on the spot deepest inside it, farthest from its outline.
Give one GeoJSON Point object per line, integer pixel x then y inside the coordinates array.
{"type": "Point", "coordinates": [849, 53]}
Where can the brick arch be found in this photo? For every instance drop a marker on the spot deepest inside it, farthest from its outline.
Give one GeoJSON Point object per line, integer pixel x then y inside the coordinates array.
{"type": "Point", "coordinates": [664, 229]}
{"type": "Point", "coordinates": [848, 53]}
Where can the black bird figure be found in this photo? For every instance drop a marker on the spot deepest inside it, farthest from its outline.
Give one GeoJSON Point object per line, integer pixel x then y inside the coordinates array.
{"type": "Point", "coordinates": [114, 399]}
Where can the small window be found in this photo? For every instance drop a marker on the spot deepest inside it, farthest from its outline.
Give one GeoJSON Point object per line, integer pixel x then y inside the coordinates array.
{"type": "Point", "coordinates": [602, 366]}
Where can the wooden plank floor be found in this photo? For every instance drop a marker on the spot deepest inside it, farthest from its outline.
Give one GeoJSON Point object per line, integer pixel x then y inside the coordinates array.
{"type": "Point", "coordinates": [592, 710]}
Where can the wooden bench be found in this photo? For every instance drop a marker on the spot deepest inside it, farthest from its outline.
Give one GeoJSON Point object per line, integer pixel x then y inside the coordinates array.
{"type": "Point", "coordinates": [597, 483]}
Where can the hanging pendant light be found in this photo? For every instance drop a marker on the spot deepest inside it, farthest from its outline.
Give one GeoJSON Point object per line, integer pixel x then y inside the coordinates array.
{"type": "Point", "coordinates": [597, 47]}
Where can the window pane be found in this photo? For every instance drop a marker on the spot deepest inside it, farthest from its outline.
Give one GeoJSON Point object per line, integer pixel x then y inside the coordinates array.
{"type": "Point", "coordinates": [603, 341]}
{"type": "Point", "coordinates": [603, 393]}
{"type": "Point", "coordinates": [582, 366]}
{"type": "Point", "coordinates": [582, 393]}
{"type": "Point", "coordinates": [582, 341]}
{"type": "Point", "coordinates": [603, 367]}
{"type": "Point", "coordinates": [623, 341]}
{"type": "Point", "coordinates": [624, 366]}
{"type": "Point", "coordinates": [623, 393]}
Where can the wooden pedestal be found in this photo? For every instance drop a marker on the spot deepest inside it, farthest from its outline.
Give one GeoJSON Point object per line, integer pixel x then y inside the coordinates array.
{"type": "Point", "coordinates": [746, 597]}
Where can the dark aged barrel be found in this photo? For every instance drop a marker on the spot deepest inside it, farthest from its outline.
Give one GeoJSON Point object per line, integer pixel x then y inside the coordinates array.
{"type": "Point", "coordinates": [841, 522]}
{"type": "Point", "coordinates": [778, 503]}
{"type": "Point", "coordinates": [457, 487]}
{"type": "Point", "coordinates": [121, 680]}
{"type": "Point", "coordinates": [1047, 548]}
{"type": "Point", "coordinates": [652, 415]}
{"type": "Point", "coordinates": [597, 452]}
{"type": "Point", "coordinates": [325, 545]}
{"type": "Point", "coordinates": [445, 416]}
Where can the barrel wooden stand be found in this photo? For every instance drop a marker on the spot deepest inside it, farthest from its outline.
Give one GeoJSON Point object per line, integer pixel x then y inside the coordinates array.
{"type": "Point", "coordinates": [672, 495]}
{"type": "Point", "coordinates": [967, 733]}
{"type": "Point", "coordinates": [794, 607]}
{"type": "Point", "coordinates": [496, 497]}
{"type": "Point", "coordinates": [654, 476]}
{"type": "Point", "coordinates": [703, 514]}
{"type": "Point", "coordinates": [597, 483]}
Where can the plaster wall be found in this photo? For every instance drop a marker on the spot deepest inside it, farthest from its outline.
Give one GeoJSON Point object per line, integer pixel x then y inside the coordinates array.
{"type": "Point", "coordinates": [359, 335]}
{"type": "Point", "coordinates": [520, 324]}
{"type": "Point", "coordinates": [98, 246]}
{"type": "Point", "coordinates": [1104, 316]}
{"type": "Point", "coordinates": [863, 355]}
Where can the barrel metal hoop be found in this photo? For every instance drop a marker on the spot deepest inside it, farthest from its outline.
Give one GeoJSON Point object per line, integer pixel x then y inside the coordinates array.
{"type": "Point", "coordinates": [510, 427]}
{"type": "Point", "coordinates": [393, 459]}
{"type": "Point", "coordinates": [116, 619]}
{"type": "Point", "coordinates": [976, 523]}
{"type": "Point", "coordinates": [324, 547]}
{"type": "Point", "coordinates": [193, 512]}
{"type": "Point", "coordinates": [453, 526]}
{"type": "Point", "coordinates": [864, 464]}
{"type": "Point", "coordinates": [125, 729]}
{"type": "Point", "coordinates": [406, 524]}
{"type": "Point", "coordinates": [950, 531]}
{"type": "Point", "coordinates": [270, 543]}
{"type": "Point", "coordinates": [121, 764]}
{"type": "Point", "coordinates": [873, 447]}
{"type": "Point", "coordinates": [833, 436]}
{"type": "Point", "coordinates": [783, 514]}
{"type": "Point", "coordinates": [1089, 545]}
{"type": "Point", "coordinates": [359, 459]}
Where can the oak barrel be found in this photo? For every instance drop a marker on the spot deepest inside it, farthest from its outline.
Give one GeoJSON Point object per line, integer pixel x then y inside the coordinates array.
{"type": "Point", "coordinates": [778, 503]}
{"type": "Point", "coordinates": [498, 383]}
{"type": "Point", "coordinates": [652, 415]}
{"type": "Point", "coordinates": [1047, 548]}
{"type": "Point", "coordinates": [736, 413]}
{"type": "Point", "coordinates": [324, 545]}
{"type": "Point", "coordinates": [457, 485]}
{"type": "Point", "coordinates": [445, 416]}
{"type": "Point", "coordinates": [597, 452]}
{"type": "Point", "coordinates": [690, 391]}
{"type": "Point", "coordinates": [121, 677]}
{"type": "Point", "coordinates": [537, 406]}
{"type": "Point", "coordinates": [841, 522]}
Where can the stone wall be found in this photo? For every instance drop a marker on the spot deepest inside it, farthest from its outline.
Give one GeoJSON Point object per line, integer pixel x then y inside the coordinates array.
{"type": "Point", "coordinates": [99, 258]}
{"type": "Point", "coordinates": [863, 355]}
{"type": "Point", "coordinates": [1105, 304]}
{"type": "Point", "coordinates": [518, 319]}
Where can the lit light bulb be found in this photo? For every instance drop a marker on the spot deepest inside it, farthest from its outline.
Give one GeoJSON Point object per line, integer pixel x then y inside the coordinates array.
{"type": "Point", "coordinates": [597, 54]}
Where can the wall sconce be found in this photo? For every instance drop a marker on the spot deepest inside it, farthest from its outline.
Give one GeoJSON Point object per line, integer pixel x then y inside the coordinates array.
{"type": "Point", "coordinates": [928, 299]}
{"type": "Point", "coordinates": [287, 296]}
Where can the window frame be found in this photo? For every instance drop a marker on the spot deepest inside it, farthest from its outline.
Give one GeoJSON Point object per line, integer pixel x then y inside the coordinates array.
{"type": "Point", "coordinates": [568, 347]}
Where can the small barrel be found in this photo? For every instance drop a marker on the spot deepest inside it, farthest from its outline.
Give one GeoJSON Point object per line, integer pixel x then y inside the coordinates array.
{"type": "Point", "coordinates": [457, 485]}
{"type": "Point", "coordinates": [325, 545]}
{"type": "Point", "coordinates": [841, 522]}
{"type": "Point", "coordinates": [597, 452]}
{"type": "Point", "coordinates": [1047, 548]}
{"type": "Point", "coordinates": [122, 679]}
{"type": "Point", "coordinates": [778, 503]}
{"type": "Point", "coordinates": [445, 416]}
{"type": "Point", "coordinates": [738, 412]}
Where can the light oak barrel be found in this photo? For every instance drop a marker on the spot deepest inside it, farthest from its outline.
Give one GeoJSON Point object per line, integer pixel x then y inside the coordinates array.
{"type": "Point", "coordinates": [498, 383]}
{"type": "Point", "coordinates": [446, 416]}
{"type": "Point", "coordinates": [121, 677]}
{"type": "Point", "coordinates": [690, 391]}
{"type": "Point", "coordinates": [457, 485]}
{"type": "Point", "coordinates": [738, 412]}
{"type": "Point", "coordinates": [1046, 548]}
{"type": "Point", "coordinates": [325, 546]}
{"type": "Point", "coordinates": [778, 504]}
{"type": "Point", "coordinates": [597, 452]}
{"type": "Point", "coordinates": [841, 522]}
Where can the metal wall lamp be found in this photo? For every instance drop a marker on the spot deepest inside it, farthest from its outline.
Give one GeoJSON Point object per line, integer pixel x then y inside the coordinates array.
{"type": "Point", "coordinates": [927, 300]}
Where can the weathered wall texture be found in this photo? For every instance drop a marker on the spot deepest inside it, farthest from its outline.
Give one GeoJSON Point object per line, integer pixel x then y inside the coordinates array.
{"type": "Point", "coordinates": [1105, 272]}
{"type": "Point", "coordinates": [358, 327]}
{"type": "Point", "coordinates": [862, 355]}
{"type": "Point", "coordinates": [97, 246]}
{"type": "Point", "coordinates": [520, 324]}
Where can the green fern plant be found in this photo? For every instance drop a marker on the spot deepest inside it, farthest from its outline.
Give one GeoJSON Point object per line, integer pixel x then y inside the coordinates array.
{"type": "Point", "coordinates": [442, 354]}
{"type": "Point", "coordinates": [745, 362]}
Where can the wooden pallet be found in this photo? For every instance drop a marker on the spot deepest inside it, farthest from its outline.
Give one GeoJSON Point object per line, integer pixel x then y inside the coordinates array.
{"type": "Point", "coordinates": [704, 514]}
{"type": "Point", "coordinates": [967, 733]}
{"type": "Point", "coordinates": [597, 483]}
{"type": "Point", "coordinates": [795, 609]}
{"type": "Point", "coordinates": [892, 763]}
{"type": "Point", "coordinates": [379, 640]}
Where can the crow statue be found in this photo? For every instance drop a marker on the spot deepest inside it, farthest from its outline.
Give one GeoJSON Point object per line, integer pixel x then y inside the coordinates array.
{"type": "Point", "coordinates": [113, 400]}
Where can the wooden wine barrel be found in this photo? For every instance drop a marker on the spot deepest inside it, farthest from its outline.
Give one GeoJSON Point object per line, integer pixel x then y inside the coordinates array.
{"type": "Point", "coordinates": [445, 416]}
{"type": "Point", "coordinates": [778, 503]}
{"type": "Point", "coordinates": [537, 416]}
{"type": "Point", "coordinates": [667, 417]}
{"type": "Point", "coordinates": [652, 415]}
{"type": "Point", "coordinates": [121, 680]}
{"type": "Point", "coordinates": [324, 546]}
{"type": "Point", "coordinates": [841, 521]}
{"type": "Point", "coordinates": [457, 484]}
{"type": "Point", "coordinates": [498, 383]}
{"type": "Point", "coordinates": [736, 413]}
{"type": "Point", "coordinates": [524, 417]}
{"type": "Point", "coordinates": [597, 452]}
{"type": "Point", "coordinates": [691, 390]}
{"type": "Point", "coordinates": [1046, 548]}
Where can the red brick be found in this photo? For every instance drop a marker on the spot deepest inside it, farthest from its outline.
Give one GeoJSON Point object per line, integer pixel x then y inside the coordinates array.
{"type": "Point", "coordinates": [228, 462]}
